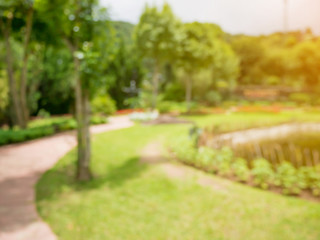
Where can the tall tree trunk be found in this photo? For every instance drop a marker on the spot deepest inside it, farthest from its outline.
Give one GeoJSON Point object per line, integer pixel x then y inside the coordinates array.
{"type": "Point", "coordinates": [155, 83]}
{"type": "Point", "coordinates": [24, 70]}
{"type": "Point", "coordinates": [188, 91]}
{"type": "Point", "coordinates": [14, 103]}
{"type": "Point", "coordinates": [84, 172]}
{"type": "Point", "coordinates": [83, 120]}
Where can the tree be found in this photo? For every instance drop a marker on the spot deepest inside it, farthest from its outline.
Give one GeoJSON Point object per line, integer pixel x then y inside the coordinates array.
{"type": "Point", "coordinates": [52, 84]}
{"type": "Point", "coordinates": [196, 52]}
{"type": "Point", "coordinates": [157, 36]}
{"type": "Point", "coordinates": [84, 30]}
{"type": "Point", "coordinates": [125, 69]}
{"type": "Point", "coordinates": [307, 62]}
{"type": "Point", "coordinates": [224, 67]}
{"type": "Point", "coordinates": [10, 11]}
{"type": "Point", "coordinates": [252, 55]}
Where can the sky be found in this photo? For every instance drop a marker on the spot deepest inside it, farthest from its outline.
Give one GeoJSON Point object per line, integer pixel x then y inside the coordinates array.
{"type": "Point", "coordinates": [251, 17]}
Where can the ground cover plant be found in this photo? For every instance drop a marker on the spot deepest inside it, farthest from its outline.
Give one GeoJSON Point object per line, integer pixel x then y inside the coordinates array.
{"type": "Point", "coordinates": [43, 127]}
{"type": "Point", "coordinates": [130, 200]}
{"type": "Point", "coordinates": [297, 176]}
{"type": "Point", "coordinates": [284, 177]}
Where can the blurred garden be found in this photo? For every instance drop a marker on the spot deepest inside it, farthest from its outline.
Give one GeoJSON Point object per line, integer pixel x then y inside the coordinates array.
{"type": "Point", "coordinates": [233, 121]}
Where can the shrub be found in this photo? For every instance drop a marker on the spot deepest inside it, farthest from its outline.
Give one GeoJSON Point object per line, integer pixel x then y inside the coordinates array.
{"type": "Point", "coordinates": [184, 150]}
{"type": "Point", "coordinates": [42, 128]}
{"type": "Point", "coordinates": [229, 104]}
{"type": "Point", "coordinates": [300, 97]}
{"type": "Point", "coordinates": [213, 97]}
{"type": "Point", "coordinates": [174, 91]}
{"type": "Point", "coordinates": [43, 113]}
{"type": "Point", "coordinates": [171, 107]}
{"type": "Point", "coordinates": [262, 173]}
{"type": "Point", "coordinates": [69, 124]}
{"type": "Point", "coordinates": [103, 105]}
{"type": "Point", "coordinates": [16, 136]}
{"type": "Point", "coordinates": [95, 120]}
{"type": "Point", "coordinates": [223, 161]}
{"type": "Point", "coordinates": [241, 170]}
{"type": "Point", "coordinates": [309, 178]}
{"type": "Point", "coordinates": [287, 178]}
{"type": "Point", "coordinates": [205, 158]}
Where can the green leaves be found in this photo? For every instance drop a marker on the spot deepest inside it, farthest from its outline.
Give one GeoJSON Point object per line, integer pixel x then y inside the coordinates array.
{"type": "Point", "coordinates": [157, 34]}
{"type": "Point", "coordinates": [284, 177]}
{"type": "Point", "coordinates": [263, 175]}
{"type": "Point", "coordinates": [287, 178]}
{"type": "Point", "coordinates": [241, 169]}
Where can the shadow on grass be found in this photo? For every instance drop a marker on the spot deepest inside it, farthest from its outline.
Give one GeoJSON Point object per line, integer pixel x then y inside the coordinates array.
{"type": "Point", "coordinates": [56, 182]}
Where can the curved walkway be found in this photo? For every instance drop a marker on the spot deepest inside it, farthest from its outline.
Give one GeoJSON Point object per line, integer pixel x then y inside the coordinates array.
{"type": "Point", "coordinates": [21, 165]}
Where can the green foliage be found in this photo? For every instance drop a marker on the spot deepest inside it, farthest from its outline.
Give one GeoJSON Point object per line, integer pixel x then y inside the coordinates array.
{"type": "Point", "coordinates": [43, 127]}
{"type": "Point", "coordinates": [307, 60]}
{"type": "Point", "coordinates": [213, 98]}
{"type": "Point", "coordinates": [67, 125]}
{"type": "Point", "coordinates": [223, 161]}
{"type": "Point", "coordinates": [241, 170]}
{"type": "Point", "coordinates": [145, 98]}
{"type": "Point", "coordinates": [16, 136]}
{"type": "Point", "coordinates": [125, 69]}
{"type": "Point", "coordinates": [309, 178]}
{"type": "Point", "coordinates": [184, 149]}
{"type": "Point", "coordinates": [206, 62]}
{"type": "Point", "coordinates": [287, 178]}
{"type": "Point", "coordinates": [216, 161]}
{"type": "Point", "coordinates": [43, 113]}
{"type": "Point", "coordinates": [157, 34]}
{"type": "Point", "coordinates": [174, 91]}
{"type": "Point", "coordinates": [95, 120]}
{"type": "Point", "coordinates": [3, 96]}
{"type": "Point", "coordinates": [262, 172]}
{"type": "Point", "coordinates": [252, 54]}
{"type": "Point", "coordinates": [197, 47]}
{"type": "Point", "coordinates": [131, 191]}
{"type": "Point", "coordinates": [103, 105]}
{"type": "Point", "coordinates": [206, 159]}
{"type": "Point", "coordinates": [124, 31]}
{"type": "Point", "coordinates": [171, 107]}
{"type": "Point", "coordinates": [54, 82]}
{"type": "Point", "coordinates": [300, 98]}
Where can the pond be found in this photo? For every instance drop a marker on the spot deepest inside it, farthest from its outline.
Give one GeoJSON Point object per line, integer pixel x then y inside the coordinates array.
{"type": "Point", "coordinates": [295, 143]}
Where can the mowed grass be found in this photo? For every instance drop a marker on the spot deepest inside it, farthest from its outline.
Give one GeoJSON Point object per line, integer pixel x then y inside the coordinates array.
{"type": "Point", "coordinates": [238, 121]}
{"type": "Point", "coordinates": [128, 200]}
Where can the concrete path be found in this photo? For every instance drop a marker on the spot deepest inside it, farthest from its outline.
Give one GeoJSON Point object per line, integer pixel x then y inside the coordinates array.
{"type": "Point", "coordinates": [21, 165]}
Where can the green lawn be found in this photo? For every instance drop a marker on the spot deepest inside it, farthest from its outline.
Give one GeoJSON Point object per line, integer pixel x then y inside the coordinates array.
{"type": "Point", "coordinates": [236, 121]}
{"type": "Point", "coordinates": [131, 201]}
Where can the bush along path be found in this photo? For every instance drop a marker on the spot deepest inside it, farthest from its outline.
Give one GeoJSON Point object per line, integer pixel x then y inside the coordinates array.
{"type": "Point", "coordinates": [21, 165]}
{"type": "Point", "coordinates": [48, 128]}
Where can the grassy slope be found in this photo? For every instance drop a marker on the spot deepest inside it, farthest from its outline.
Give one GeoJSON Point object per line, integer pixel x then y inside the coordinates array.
{"type": "Point", "coordinates": [128, 200]}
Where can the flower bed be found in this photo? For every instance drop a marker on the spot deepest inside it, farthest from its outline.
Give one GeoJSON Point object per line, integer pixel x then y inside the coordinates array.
{"type": "Point", "coordinates": [285, 178]}
{"type": "Point", "coordinates": [128, 111]}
